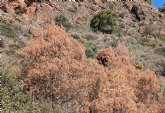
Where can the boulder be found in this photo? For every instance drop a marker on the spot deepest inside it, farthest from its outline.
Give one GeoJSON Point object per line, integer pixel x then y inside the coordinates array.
{"type": "Point", "coordinates": [138, 12]}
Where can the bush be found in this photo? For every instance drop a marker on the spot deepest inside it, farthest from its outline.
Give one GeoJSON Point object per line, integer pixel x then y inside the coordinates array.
{"type": "Point", "coordinates": [72, 9]}
{"type": "Point", "coordinates": [12, 98]}
{"type": "Point", "coordinates": [149, 31]}
{"type": "Point", "coordinates": [118, 31]}
{"type": "Point", "coordinates": [54, 66]}
{"type": "Point", "coordinates": [162, 37]}
{"type": "Point", "coordinates": [62, 20]}
{"type": "Point", "coordinates": [161, 66]}
{"type": "Point", "coordinates": [162, 9]}
{"type": "Point", "coordinates": [104, 21]}
{"type": "Point", "coordinates": [160, 51]}
{"type": "Point", "coordinates": [144, 41]}
{"type": "Point", "coordinates": [8, 29]}
{"type": "Point", "coordinates": [77, 37]}
{"type": "Point", "coordinates": [148, 1]}
{"type": "Point", "coordinates": [90, 51]}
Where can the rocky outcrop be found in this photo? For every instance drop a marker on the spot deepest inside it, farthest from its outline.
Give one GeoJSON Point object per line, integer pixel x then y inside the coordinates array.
{"type": "Point", "coordinates": [137, 11]}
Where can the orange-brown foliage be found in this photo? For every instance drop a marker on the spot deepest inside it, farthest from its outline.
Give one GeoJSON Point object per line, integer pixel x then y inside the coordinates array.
{"type": "Point", "coordinates": [25, 7]}
{"type": "Point", "coordinates": [54, 66]}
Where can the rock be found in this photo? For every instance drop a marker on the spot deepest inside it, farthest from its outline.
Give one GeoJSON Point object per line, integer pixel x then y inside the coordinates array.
{"type": "Point", "coordinates": [138, 12]}
{"type": "Point", "coordinates": [3, 5]}
{"type": "Point", "coordinates": [2, 43]}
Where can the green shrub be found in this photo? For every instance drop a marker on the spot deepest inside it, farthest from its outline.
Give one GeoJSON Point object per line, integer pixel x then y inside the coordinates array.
{"type": "Point", "coordinates": [12, 98]}
{"type": "Point", "coordinates": [85, 18]}
{"type": "Point", "coordinates": [14, 46]}
{"type": "Point", "coordinates": [114, 43]}
{"type": "Point", "coordinates": [62, 20]}
{"type": "Point", "coordinates": [144, 41]}
{"type": "Point", "coordinates": [162, 38]}
{"type": "Point", "coordinates": [104, 21]}
{"type": "Point", "coordinates": [8, 29]}
{"type": "Point", "coordinates": [148, 1]}
{"type": "Point", "coordinates": [162, 9]}
{"type": "Point", "coordinates": [149, 31]}
{"type": "Point", "coordinates": [12, 51]}
{"type": "Point", "coordinates": [161, 65]}
{"type": "Point", "coordinates": [160, 51]}
{"type": "Point", "coordinates": [90, 51]}
{"type": "Point", "coordinates": [76, 36]}
{"type": "Point", "coordinates": [118, 31]}
{"type": "Point", "coordinates": [72, 9]}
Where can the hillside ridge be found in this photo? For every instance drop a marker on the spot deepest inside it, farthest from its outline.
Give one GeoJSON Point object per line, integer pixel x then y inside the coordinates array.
{"type": "Point", "coordinates": [82, 57]}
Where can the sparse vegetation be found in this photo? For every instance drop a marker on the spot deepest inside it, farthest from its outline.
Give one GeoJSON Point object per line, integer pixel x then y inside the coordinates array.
{"type": "Point", "coordinates": [162, 37]}
{"type": "Point", "coordinates": [14, 47]}
{"type": "Point", "coordinates": [9, 30]}
{"type": "Point", "coordinates": [62, 20]}
{"type": "Point", "coordinates": [144, 41]}
{"type": "Point", "coordinates": [76, 36]}
{"type": "Point", "coordinates": [114, 43]}
{"type": "Point", "coordinates": [148, 1]}
{"type": "Point", "coordinates": [104, 21]}
{"type": "Point", "coordinates": [161, 66]}
{"type": "Point", "coordinates": [73, 9]}
{"type": "Point", "coordinates": [118, 31]}
{"type": "Point", "coordinates": [149, 31]}
{"type": "Point", "coordinates": [160, 51]}
{"type": "Point", "coordinates": [12, 97]}
{"type": "Point", "coordinates": [12, 51]}
{"type": "Point", "coordinates": [90, 51]}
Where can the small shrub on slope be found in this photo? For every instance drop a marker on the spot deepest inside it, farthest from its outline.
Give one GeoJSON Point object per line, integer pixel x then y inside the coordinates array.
{"type": "Point", "coordinates": [9, 30]}
{"type": "Point", "coordinates": [162, 37]}
{"type": "Point", "coordinates": [148, 1]}
{"type": "Point", "coordinates": [144, 41]}
{"type": "Point", "coordinates": [90, 51]}
{"type": "Point", "coordinates": [12, 97]}
{"type": "Point", "coordinates": [162, 9]}
{"type": "Point", "coordinates": [62, 20]}
{"type": "Point", "coordinates": [104, 21]}
{"type": "Point", "coordinates": [160, 51]}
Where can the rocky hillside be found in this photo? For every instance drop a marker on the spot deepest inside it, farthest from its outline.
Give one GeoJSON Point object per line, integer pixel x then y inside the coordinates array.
{"type": "Point", "coordinates": [82, 57]}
